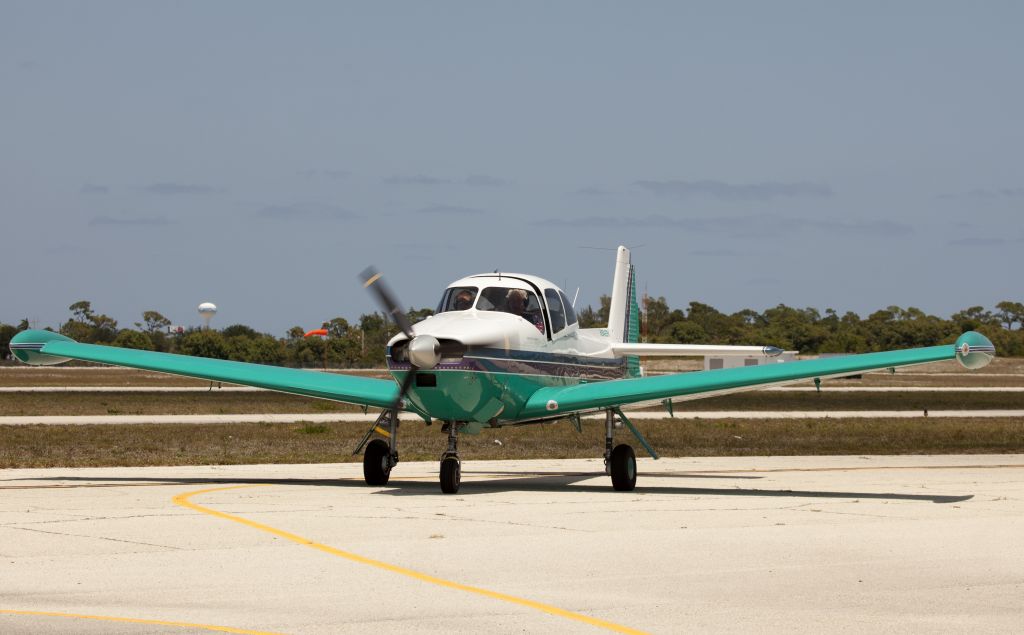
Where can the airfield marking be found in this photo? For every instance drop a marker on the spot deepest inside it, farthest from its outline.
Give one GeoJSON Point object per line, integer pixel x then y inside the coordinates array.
{"type": "Point", "coordinates": [183, 501]}
{"type": "Point", "coordinates": [137, 620]}
{"type": "Point", "coordinates": [865, 468]}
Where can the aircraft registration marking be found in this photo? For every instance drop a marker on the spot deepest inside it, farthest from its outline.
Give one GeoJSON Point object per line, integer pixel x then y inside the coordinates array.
{"type": "Point", "coordinates": [184, 501]}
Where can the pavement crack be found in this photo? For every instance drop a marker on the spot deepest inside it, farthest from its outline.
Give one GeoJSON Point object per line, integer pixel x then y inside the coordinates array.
{"type": "Point", "coordinates": [516, 524]}
{"type": "Point", "coordinates": [61, 533]}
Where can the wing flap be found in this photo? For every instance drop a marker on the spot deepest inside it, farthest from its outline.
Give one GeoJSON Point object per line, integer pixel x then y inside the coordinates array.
{"type": "Point", "coordinates": [366, 391]}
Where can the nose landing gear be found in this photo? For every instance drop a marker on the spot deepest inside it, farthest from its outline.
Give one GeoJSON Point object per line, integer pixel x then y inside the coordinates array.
{"type": "Point", "coordinates": [451, 467]}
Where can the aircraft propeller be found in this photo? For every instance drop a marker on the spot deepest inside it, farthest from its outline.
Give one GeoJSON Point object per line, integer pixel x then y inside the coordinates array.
{"type": "Point", "coordinates": [424, 351]}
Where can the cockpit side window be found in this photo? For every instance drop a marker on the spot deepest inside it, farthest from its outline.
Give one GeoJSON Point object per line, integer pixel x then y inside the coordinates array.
{"type": "Point", "coordinates": [570, 313]}
{"type": "Point", "coordinates": [521, 302]}
{"type": "Point", "coordinates": [555, 310]}
{"type": "Point", "coordinates": [457, 299]}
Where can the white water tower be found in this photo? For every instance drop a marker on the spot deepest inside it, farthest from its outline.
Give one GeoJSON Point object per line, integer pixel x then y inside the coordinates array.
{"type": "Point", "coordinates": [206, 311]}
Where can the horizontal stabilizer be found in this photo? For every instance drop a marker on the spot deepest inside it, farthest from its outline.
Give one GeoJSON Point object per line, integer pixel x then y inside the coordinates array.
{"type": "Point", "coordinates": [685, 350]}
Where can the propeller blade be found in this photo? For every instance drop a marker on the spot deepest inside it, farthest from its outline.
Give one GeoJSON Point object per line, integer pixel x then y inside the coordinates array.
{"type": "Point", "coordinates": [406, 385]}
{"type": "Point", "coordinates": [373, 281]}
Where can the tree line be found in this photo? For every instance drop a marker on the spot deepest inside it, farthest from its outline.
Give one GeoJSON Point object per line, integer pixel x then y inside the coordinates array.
{"type": "Point", "coordinates": [361, 344]}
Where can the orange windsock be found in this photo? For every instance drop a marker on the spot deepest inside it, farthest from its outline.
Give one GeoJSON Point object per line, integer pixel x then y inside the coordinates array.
{"type": "Point", "coordinates": [317, 332]}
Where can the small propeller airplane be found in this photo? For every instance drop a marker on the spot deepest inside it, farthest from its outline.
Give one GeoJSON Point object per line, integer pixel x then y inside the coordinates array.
{"type": "Point", "coordinates": [506, 349]}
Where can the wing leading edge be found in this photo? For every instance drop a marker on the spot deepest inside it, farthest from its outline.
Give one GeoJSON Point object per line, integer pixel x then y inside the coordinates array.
{"type": "Point", "coordinates": [972, 350]}
{"type": "Point", "coordinates": [46, 348]}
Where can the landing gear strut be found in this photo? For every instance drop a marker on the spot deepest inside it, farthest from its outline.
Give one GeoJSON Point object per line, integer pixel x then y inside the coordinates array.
{"type": "Point", "coordinates": [620, 462]}
{"type": "Point", "coordinates": [451, 467]}
{"type": "Point", "coordinates": [380, 455]}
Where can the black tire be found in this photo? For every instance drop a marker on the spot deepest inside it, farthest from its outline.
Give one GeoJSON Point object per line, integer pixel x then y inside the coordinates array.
{"type": "Point", "coordinates": [451, 475]}
{"type": "Point", "coordinates": [377, 462]}
{"type": "Point", "coordinates": [623, 468]}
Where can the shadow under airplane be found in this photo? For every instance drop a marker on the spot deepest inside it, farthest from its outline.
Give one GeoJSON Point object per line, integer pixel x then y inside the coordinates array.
{"type": "Point", "coordinates": [519, 481]}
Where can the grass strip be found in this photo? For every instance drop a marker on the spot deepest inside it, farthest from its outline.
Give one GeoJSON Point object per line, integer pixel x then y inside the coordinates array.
{"type": "Point", "coordinates": [228, 444]}
{"type": "Point", "coordinates": [76, 404]}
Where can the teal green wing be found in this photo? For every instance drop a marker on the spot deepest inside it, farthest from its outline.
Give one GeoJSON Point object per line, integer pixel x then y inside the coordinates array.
{"type": "Point", "coordinates": [972, 350]}
{"type": "Point", "coordinates": [40, 348]}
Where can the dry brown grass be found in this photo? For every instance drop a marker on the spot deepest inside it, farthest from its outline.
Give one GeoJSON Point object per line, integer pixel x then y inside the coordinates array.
{"type": "Point", "coordinates": [222, 444]}
{"type": "Point", "coordinates": [74, 404]}
{"type": "Point", "coordinates": [152, 403]}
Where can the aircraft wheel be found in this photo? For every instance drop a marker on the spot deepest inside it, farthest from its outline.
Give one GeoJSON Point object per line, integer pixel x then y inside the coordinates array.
{"type": "Point", "coordinates": [623, 468]}
{"type": "Point", "coordinates": [377, 462]}
{"type": "Point", "coordinates": [451, 474]}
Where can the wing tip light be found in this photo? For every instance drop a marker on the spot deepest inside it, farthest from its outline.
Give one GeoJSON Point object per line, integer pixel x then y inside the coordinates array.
{"type": "Point", "coordinates": [27, 347]}
{"type": "Point", "coordinates": [974, 350]}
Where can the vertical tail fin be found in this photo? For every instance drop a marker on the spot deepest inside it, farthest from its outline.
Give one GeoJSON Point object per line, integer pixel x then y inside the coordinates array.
{"type": "Point", "coordinates": [624, 312]}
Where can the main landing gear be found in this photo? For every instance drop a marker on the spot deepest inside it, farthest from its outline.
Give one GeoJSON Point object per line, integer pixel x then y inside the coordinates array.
{"type": "Point", "coordinates": [620, 462]}
{"type": "Point", "coordinates": [380, 455]}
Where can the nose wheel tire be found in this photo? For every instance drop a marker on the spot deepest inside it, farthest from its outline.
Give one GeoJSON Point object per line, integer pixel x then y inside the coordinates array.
{"type": "Point", "coordinates": [377, 463]}
{"type": "Point", "coordinates": [451, 474]}
{"type": "Point", "coordinates": [623, 468]}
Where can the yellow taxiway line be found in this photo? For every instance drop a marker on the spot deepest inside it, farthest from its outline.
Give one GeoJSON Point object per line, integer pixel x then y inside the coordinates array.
{"type": "Point", "coordinates": [137, 620]}
{"type": "Point", "coordinates": [184, 501]}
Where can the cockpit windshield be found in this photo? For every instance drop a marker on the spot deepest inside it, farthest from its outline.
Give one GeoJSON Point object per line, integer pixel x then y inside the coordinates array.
{"type": "Point", "coordinates": [521, 302]}
{"type": "Point", "coordinates": [457, 299]}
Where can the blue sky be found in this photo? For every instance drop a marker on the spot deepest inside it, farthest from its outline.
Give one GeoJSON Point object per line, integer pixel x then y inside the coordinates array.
{"type": "Point", "coordinates": [260, 155]}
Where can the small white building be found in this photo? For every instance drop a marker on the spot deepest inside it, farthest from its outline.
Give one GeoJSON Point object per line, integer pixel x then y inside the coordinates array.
{"type": "Point", "coordinates": [716, 362]}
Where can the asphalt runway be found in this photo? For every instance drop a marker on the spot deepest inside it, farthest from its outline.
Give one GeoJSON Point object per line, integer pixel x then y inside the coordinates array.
{"type": "Point", "coordinates": [903, 544]}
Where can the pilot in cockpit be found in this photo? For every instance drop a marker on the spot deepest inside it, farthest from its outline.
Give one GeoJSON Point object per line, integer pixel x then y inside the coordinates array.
{"type": "Point", "coordinates": [464, 300]}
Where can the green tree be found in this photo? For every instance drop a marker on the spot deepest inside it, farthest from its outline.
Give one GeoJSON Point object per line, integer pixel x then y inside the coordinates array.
{"type": "Point", "coordinates": [203, 343]}
{"type": "Point", "coordinates": [658, 314]}
{"type": "Point", "coordinates": [82, 311]}
{"type": "Point", "coordinates": [128, 338]}
{"type": "Point", "coordinates": [971, 319]}
{"type": "Point", "coordinates": [588, 318]}
{"type": "Point", "coordinates": [337, 327]}
{"type": "Point", "coordinates": [6, 333]}
{"type": "Point", "coordinates": [239, 330]}
{"type": "Point", "coordinates": [417, 315]}
{"type": "Point", "coordinates": [88, 326]}
{"type": "Point", "coordinates": [154, 321]}
{"type": "Point", "coordinates": [1010, 313]}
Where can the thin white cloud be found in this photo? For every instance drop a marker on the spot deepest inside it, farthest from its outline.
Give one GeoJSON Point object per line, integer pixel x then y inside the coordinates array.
{"type": "Point", "coordinates": [174, 189]}
{"type": "Point", "coordinates": [307, 211]}
{"type": "Point", "coordinates": [735, 191]}
{"type": "Point", "coordinates": [110, 221]}
{"type": "Point", "coordinates": [454, 210]}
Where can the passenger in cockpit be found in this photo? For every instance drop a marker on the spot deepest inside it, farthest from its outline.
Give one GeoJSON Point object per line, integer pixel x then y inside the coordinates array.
{"type": "Point", "coordinates": [515, 303]}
